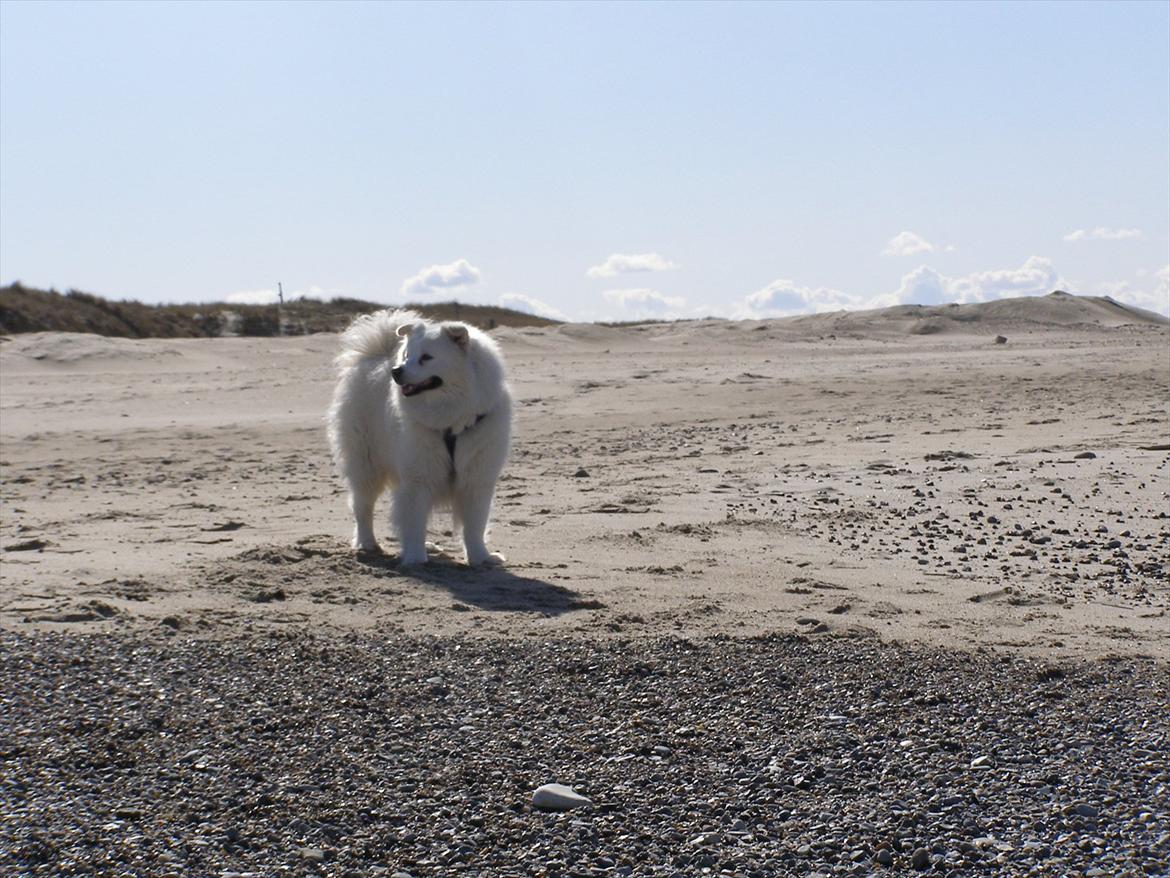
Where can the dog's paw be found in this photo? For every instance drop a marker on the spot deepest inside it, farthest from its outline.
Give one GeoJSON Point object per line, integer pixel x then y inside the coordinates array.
{"type": "Point", "coordinates": [406, 561]}
{"type": "Point", "coordinates": [490, 559]}
{"type": "Point", "coordinates": [367, 548]}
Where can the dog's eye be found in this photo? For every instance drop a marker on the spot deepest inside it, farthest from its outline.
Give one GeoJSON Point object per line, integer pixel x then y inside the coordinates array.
{"type": "Point", "coordinates": [424, 358]}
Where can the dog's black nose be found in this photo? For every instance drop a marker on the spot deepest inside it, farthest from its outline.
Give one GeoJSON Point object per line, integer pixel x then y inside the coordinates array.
{"type": "Point", "coordinates": [396, 374]}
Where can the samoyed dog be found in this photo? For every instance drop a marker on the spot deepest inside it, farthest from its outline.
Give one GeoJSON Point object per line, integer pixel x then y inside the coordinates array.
{"type": "Point", "coordinates": [423, 409]}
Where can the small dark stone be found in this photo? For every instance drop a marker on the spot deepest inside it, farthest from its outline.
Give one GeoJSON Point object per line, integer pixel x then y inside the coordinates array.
{"type": "Point", "coordinates": [27, 546]}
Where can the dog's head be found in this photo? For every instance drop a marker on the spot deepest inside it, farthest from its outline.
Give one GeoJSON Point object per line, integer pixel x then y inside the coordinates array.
{"type": "Point", "coordinates": [432, 361]}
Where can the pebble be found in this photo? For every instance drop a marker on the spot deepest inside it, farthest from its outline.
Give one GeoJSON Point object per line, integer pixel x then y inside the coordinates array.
{"type": "Point", "coordinates": [557, 797]}
{"type": "Point", "coordinates": [351, 758]}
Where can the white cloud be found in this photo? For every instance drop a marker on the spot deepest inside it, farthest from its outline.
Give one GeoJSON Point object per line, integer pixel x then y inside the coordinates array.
{"type": "Point", "coordinates": [630, 263]}
{"type": "Point", "coordinates": [1101, 233]}
{"type": "Point", "coordinates": [1036, 277]}
{"type": "Point", "coordinates": [433, 278]}
{"type": "Point", "coordinates": [1156, 299]}
{"type": "Point", "coordinates": [922, 286]}
{"type": "Point", "coordinates": [529, 305]}
{"type": "Point", "coordinates": [926, 286]}
{"type": "Point", "coordinates": [782, 298]}
{"type": "Point", "coordinates": [908, 244]}
{"type": "Point", "coordinates": [271, 297]}
{"type": "Point", "coordinates": [644, 304]}
{"type": "Point", "coordinates": [252, 297]}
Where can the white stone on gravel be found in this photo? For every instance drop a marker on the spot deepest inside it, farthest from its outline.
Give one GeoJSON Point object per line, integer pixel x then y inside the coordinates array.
{"type": "Point", "coordinates": [558, 797]}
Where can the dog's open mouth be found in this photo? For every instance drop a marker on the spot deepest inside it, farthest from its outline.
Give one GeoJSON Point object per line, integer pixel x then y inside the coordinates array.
{"type": "Point", "coordinates": [429, 384]}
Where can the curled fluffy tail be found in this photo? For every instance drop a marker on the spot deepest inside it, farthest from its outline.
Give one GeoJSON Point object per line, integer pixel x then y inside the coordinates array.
{"type": "Point", "coordinates": [373, 336]}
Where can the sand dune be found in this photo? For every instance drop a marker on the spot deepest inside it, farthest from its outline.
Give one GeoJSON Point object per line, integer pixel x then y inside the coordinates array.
{"type": "Point", "coordinates": [1024, 314]}
{"type": "Point", "coordinates": [834, 474]}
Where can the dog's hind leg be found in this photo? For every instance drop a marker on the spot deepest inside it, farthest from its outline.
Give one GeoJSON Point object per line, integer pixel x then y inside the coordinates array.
{"type": "Point", "coordinates": [354, 438]}
{"type": "Point", "coordinates": [362, 498]}
{"type": "Point", "coordinates": [366, 483]}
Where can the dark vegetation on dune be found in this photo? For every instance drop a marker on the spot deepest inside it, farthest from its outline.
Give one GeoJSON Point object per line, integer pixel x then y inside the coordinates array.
{"type": "Point", "coordinates": [24, 309]}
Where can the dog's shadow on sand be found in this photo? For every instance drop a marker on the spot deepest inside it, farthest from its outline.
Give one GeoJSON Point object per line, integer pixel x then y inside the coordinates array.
{"type": "Point", "coordinates": [493, 588]}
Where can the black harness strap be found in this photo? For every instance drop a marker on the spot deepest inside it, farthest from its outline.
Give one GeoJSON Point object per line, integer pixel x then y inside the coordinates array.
{"type": "Point", "coordinates": [449, 437]}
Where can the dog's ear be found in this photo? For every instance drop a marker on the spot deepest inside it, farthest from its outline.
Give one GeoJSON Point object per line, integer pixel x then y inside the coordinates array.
{"type": "Point", "coordinates": [457, 332]}
{"type": "Point", "coordinates": [409, 329]}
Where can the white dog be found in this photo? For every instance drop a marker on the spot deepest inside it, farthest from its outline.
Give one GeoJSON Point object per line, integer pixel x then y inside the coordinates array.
{"type": "Point", "coordinates": [424, 409]}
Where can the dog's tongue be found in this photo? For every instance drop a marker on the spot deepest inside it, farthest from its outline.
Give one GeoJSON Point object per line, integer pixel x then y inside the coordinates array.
{"type": "Point", "coordinates": [409, 389]}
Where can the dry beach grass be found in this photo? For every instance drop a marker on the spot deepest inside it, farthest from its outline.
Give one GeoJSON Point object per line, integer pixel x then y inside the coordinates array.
{"type": "Point", "coordinates": [802, 542]}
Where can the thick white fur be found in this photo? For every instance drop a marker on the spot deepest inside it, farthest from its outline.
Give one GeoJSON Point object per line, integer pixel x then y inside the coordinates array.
{"type": "Point", "coordinates": [381, 438]}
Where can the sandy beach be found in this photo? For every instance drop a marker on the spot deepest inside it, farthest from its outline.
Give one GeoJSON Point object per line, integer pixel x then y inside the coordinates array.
{"type": "Point", "coordinates": [829, 474]}
{"type": "Point", "coordinates": [837, 595]}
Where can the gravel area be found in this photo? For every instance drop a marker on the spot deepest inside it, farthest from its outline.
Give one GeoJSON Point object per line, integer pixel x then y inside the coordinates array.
{"type": "Point", "coordinates": [296, 754]}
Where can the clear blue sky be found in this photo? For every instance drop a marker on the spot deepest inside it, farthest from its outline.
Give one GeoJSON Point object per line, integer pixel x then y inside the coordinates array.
{"type": "Point", "coordinates": [744, 159]}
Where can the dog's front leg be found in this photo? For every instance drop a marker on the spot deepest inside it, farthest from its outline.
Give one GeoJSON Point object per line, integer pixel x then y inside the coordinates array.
{"type": "Point", "coordinates": [412, 507]}
{"type": "Point", "coordinates": [473, 504]}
